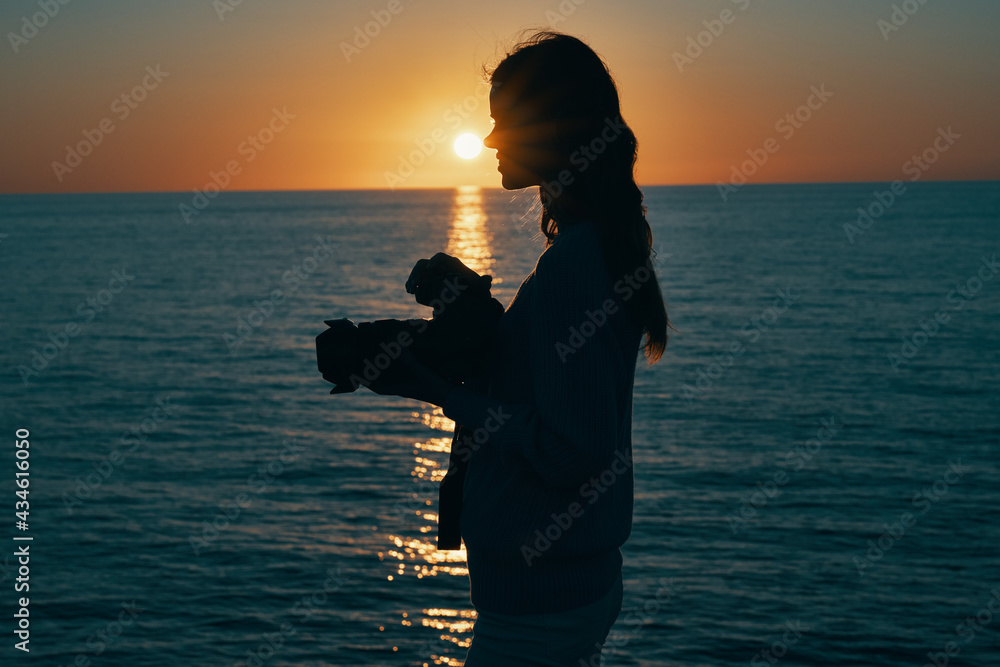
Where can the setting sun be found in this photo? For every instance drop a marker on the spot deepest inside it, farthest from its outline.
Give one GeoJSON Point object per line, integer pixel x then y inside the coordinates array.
{"type": "Point", "coordinates": [468, 145]}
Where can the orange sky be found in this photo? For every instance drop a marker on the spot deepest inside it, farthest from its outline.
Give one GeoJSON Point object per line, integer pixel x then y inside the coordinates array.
{"type": "Point", "coordinates": [348, 116]}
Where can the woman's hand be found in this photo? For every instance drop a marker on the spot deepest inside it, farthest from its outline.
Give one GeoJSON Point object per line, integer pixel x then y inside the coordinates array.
{"type": "Point", "coordinates": [427, 271]}
{"type": "Point", "coordinates": [423, 385]}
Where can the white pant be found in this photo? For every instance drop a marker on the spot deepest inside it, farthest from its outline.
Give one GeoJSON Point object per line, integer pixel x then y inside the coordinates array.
{"type": "Point", "coordinates": [570, 638]}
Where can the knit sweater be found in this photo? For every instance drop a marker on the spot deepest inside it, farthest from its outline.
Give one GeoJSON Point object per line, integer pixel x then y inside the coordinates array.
{"type": "Point", "coordinates": [547, 498]}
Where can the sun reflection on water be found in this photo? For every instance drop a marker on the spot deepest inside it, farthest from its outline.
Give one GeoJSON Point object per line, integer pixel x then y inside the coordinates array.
{"type": "Point", "coordinates": [468, 240]}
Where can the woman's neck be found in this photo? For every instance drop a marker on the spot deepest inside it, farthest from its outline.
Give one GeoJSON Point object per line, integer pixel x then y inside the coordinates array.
{"type": "Point", "coordinates": [568, 211]}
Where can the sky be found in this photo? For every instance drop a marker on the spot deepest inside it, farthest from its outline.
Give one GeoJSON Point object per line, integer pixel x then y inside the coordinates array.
{"type": "Point", "coordinates": [115, 96]}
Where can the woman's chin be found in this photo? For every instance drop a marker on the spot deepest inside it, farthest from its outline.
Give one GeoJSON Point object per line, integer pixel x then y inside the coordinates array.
{"type": "Point", "coordinates": [517, 181]}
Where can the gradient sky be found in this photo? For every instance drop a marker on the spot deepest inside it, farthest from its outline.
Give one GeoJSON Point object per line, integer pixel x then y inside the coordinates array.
{"type": "Point", "coordinates": [354, 122]}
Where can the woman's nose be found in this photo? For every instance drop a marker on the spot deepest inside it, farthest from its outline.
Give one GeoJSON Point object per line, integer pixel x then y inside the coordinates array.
{"type": "Point", "coordinates": [488, 139]}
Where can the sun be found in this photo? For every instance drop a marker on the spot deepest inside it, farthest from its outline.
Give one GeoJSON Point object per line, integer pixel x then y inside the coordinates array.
{"type": "Point", "coordinates": [468, 145]}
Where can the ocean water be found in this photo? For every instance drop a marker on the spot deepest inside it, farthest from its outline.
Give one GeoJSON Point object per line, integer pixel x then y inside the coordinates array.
{"type": "Point", "coordinates": [816, 455]}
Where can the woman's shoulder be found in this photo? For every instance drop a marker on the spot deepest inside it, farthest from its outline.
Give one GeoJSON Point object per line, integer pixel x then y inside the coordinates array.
{"type": "Point", "coordinates": [574, 261]}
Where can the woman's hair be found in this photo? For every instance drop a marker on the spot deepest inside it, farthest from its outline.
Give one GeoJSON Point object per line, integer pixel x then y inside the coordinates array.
{"type": "Point", "coordinates": [572, 96]}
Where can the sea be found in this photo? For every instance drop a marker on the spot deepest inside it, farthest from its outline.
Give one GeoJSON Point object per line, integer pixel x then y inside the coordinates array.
{"type": "Point", "coordinates": [816, 453]}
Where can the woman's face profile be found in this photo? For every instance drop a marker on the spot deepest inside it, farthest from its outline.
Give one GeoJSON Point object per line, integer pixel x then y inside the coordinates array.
{"type": "Point", "coordinates": [519, 139]}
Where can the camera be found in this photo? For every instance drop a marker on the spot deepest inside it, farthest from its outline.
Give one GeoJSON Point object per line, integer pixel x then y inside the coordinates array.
{"type": "Point", "coordinates": [455, 343]}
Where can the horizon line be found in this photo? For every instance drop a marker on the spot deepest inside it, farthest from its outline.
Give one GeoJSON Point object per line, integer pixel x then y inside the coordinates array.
{"type": "Point", "coordinates": [489, 187]}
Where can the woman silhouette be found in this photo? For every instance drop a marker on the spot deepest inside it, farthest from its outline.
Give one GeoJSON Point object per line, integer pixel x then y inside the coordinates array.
{"type": "Point", "coordinates": [546, 497]}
